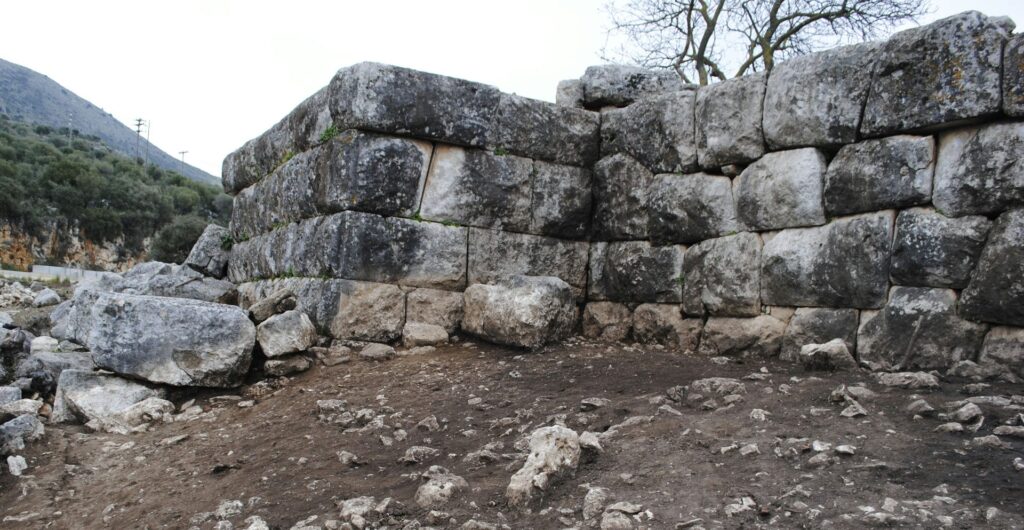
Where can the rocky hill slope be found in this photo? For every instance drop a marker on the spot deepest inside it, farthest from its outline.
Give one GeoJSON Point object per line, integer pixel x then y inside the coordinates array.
{"type": "Point", "coordinates": [26, 95]}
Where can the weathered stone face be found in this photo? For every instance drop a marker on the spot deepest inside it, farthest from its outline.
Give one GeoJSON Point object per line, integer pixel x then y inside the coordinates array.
{"type": "Point", "coordinates": [816, 99]}
{"type": "Point", "coordinates": [936, 74]}
{"type": "Point", "coordinates": [209, 256]}
{"type": "Point", "coordinates": [635, 271]}
{"type": "Point", "coordinates": [539, 130]}
{"type": "Point", "coordinates": [690, 208]}
{"type": "Point", "coordinates": [664, 324]}
{"type": "Point", "coordinates": [90, 396]}
{"type": "Point", "coordinates": [619, 85]}
{"type": "Point", "coordinates": [171, 340]}
{"type": "Point", "coordinates": [607, 321]}
{"type": "Point", "coordinates": [750, 337]}
{"type": "Point", "coordinates": [431, 306]}
{"type": "Point", "coordinates": [371, 173]}
{"type": "Point", "coordinates": [561, 202]}
{"type": "Point", "coordinates": [818, 325]}
{"type": "Point", "coordinates": [842, 264]}
{"type": "Point", "coordinates": [721, 277]}
{"type": "Point", "coordinates": [932, 250]}
{"type": "Point", "coordinates": [1013, 76]}
{"type": "Point", "coordinates": [520, 311]}
{"type": "Point", "coordinates": [928, 318]}
{"type": "Point", "coordinates": [978, 169]}
{"type": "Point", "coordinates": [620, 198]}
{"type": "Point", "coordinates": [300, 130]}
{"type": "Point", "coordinates": [473, 187]}
{"type": "Point", "coordinates": [286, 195]}
{"type": "Point", "coordinates": [782, 190]}
{"type": "Point", "coordinates": [494, 255]}
{"type": "Point", "coordinates": [996, 290]}
{"type": "Point", "coordinates": [569, 93]}
{"type": "Point", "coordinates": [657, 132]}
{"type": "Point", "coordinates": [389, 99]}
{"type": "Point", "coordinates": [728, 121]}
{"type": "Point", "coordinates": [892, 172]}
{"type": "Point", "coordinates": [288, 332]}
{"type": "Point", "coordinates": [1005, 347]}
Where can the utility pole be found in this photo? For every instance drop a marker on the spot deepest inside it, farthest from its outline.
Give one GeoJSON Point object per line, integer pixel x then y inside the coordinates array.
{"type": "Point", "coordinates": [148, 124]}
{"type": "Point", "coordinates": [138, 135]}
{"type": "Point", "coordinates": [182, 153]}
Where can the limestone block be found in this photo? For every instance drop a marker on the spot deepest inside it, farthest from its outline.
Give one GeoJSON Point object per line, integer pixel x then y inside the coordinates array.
{"type": "Point", "coordinates": [494, 255]}
{"type": "Point", "coordinates": [932, 250]}
{"type": "Point", "coordinates": [818, 325]}
{"type": "Point", "coordinates": [635, 271]}
{"type": "Point", "coordinates": [728, 121]}
{"type": "Point", "coordinates": [1013, 76]}
{"type": "Point", "coordinates": [1004, 346]}
{"type": "Point", "coordinates": [544, 131]}
{"type": "Point", "coordinates": [562, 200]}
{"type": "Point", "coordinates": [664, 324]}
{"type": "Point", "coordinates": [620, 198]}
{"type": "Point", "coordinates": [782, 190]}
{"type": "Point", "coordinates": [978, 170]}
{"type": "Point", "coordinates": [760, 336]}
{"type": "Point", "coordinates": [658, 132]}
{"type": "Point", "coordinates": [620, 85]}
{"type": "Point", "coordinates": [996, 290]}
{"type": "Point", "coordinates": [433, 306]}
{"type": "Point", "coordinates": [690, 208]}
{"type": "Point", "coordinates": [209, 256]}
{"type": "Point", "coordinates": [520, 311]}
{"type": "Point", "coordinates": [721, 277]}
{"type": "Point", "coordinates": [892, 172]}
{"type": "Point", "coordinates": [607, 321]}
{"type": "Point", "coordinates": [284, 196]}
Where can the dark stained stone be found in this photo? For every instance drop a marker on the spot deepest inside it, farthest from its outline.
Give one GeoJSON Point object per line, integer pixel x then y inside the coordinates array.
{"type": "Point", "coordinates": [996, 290]}
{"type": "Point", "coordinates": [932, 250]}
{"type": "Point", "coordinates": [721, 277]}
{"type": "Point", "coordinates": [892, 172]}
{"type": "Point", "coordinates": [635, 271]}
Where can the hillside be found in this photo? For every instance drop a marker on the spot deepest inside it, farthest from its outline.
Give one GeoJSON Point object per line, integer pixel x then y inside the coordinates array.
{"type": "Point", "coordinates": [26, 95]}
{"type": "Point", "coordinates": [57, 194]}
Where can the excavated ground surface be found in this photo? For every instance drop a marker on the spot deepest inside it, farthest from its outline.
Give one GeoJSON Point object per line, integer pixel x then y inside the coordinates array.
{"type": "Point", "coordinates": [280, 461]}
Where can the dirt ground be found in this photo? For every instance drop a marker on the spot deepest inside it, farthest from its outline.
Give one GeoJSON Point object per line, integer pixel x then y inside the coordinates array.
{"type": "Point", "coordinates": [282, 463]}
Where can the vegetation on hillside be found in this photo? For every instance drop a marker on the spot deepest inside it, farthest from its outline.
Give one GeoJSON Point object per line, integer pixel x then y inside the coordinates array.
{"type": "Point", "coordinates": [49, 175]}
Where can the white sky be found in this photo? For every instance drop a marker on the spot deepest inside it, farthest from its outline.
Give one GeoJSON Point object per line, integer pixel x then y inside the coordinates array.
{"type": "Point", "coordinates": [211, 74]}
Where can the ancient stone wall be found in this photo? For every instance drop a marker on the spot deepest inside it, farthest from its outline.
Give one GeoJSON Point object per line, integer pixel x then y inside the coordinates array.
{"type": "Point", "coordinates": [873, 193]}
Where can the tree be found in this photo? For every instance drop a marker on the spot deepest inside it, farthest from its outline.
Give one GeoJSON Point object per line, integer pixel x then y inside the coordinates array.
{"type": "Point", "coordinates": [174, 241]}
{"type": "Point", "coordinates": [702, 40]}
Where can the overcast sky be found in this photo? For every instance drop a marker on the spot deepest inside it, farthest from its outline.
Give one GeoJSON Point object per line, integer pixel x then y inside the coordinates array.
{"type": "Point", "coordinates": [211, 74]}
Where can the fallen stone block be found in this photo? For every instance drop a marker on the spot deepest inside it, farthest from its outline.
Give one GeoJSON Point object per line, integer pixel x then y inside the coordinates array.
{"type": "Point", "coordinates": [420, 334]}
{"type": "Point", "coordinates": [431, 306]}
{"type": "Point", "coordinates": [996, 291]}
{"type": "Point", "coordinates": [782, 190]}
{"type": "Point", "coordinates": [657, 131]}
{"type": "Point", "coordinates": [932, 250]}
{"type": "Point", "coordinates": [892, 172]}
{"type": "Point", "coordinates": [209, 256]}
{"type": "Point", "coordinates": [389, 99]}
{"type": "Point", "coordinates": [473, 187]}
{"type": "Point", "coordinates": [106, 402]}
{"type": "Point", "coordinates": [635, 271]}
{"type": "Point", "coordinates": [1004, 346]}
{"type": "Point", "coordinates": [831, 356]}
{"type": "Point", "coordinates": [747, 337]}
{"type": "Point", "coordinates": [569, 93]}
{"type": "Point", "coordinates": [495, 254]}
{"type": "Point", "coordinates": [16, 432]}
{"type": "Point", "coordinates": [278, 302]}
{"type": "Point", "coordinates": [521, 311]}
{"type": "Point", "coordinates": [554, 456]}
{"type": "Point", "coordinates": [171, 340]}
{"type": "Point", "coordinates": [918, 329]}
{"type": "Point", "coordinates": [842, 264]}
{"type": "Point", "coordinates": [728, 121]}
{"type": "Point", "coordinates": [816, 325]}
{"type": "Point", "coordinates": [562, 200]}
{"type": "Point", "coordinates": [45, 298]}
{"type": "Point", "coordinates": [620, 198]}
{"type": "Point", "coordinates": [664, 324]}
{"type": "Point", "coordinates": [815, 100]}
{"type": "Point", "coordinates": [961, 58]}
{"type": "Point", "coordinates": [976, 170]}
{"type": "Point", "coordinates": [620, 85]}
{"type": "Point", "coordinates": [43, 368]}
{"type": "Point", "coordinates": [288, 332]}
{"type": "Point", "coordinates": [440, 488]}
{"type": "Point", "coordinates": [543, 131]}
{"type": "Point", "coordinates": [288, 365]}
{"type": "Point", "coordinates": [607, 321]}
{"type": "Point", "coordinates": [690, 208]}
{"type": "Point", "coordinates": [722, 277]}
{"type": "Point", "coordinates": [911, 380]}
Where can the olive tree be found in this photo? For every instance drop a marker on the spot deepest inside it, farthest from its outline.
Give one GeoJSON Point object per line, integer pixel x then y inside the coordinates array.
{"type": "Point", "coordinates": [707, 40]}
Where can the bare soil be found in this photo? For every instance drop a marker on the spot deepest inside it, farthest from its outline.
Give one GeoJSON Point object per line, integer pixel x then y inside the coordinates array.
{"type": "Point", "coordinates": [281, 462]}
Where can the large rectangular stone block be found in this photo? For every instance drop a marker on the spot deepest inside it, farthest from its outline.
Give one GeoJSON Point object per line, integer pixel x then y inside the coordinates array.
{"type": "Point", "coordinates": [657, 132]}
{"type": "Point", "coordinates": [474, 187]}
{"type": "Point", "coordinates": [918, 330]}
{"type": "Point", "coordinates": [389, 99]}
{"type": "Point", "coordinates": [1013, 76]}
{"type": "Point", "coordinates": [728, 121]}
{"type": "Point", "coordinates": [842, 264]}
{"type": "Point", "coordinates": [494, 255]}
{"type": "Point", "coordinates": [620, 85]}
{"type": "Point", "coordinates": [815, 100]}
{"type": "Point", "coordinates": [562, 200]}
{"type": "Point", "coordinates": [892, 172]}
{"type": "Point", "coordinates": [935, 75]}
{"type": "Point", "coordinates": [760, 336]}
{"type": "Point", "coordinates": [543, 131]}
{"type": "Point", "coordinates": [978, 170]}
{"type": "Point", "coordinates": [690, 208]}
{"type": "Point", "coordinates": [782, 190]}
{"type": "Point", "coordinates": [635, 271]}
{"type": "Point", "coordinates": [300, 130]}
{"type": "Point", "coordinates": [932, 250]}
{"type": "Point", "coordinates": [996, 290]}
{"type": "Point", "coordinates": [284, 196]}
{"type": "Point", "coordinates": [620, 198]}
{"type": "Point", "coordinates": [722, 277]}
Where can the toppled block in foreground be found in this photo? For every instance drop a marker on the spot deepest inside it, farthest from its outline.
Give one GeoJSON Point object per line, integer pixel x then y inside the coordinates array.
{"type": "Point", "coordinates": [521, 311]}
